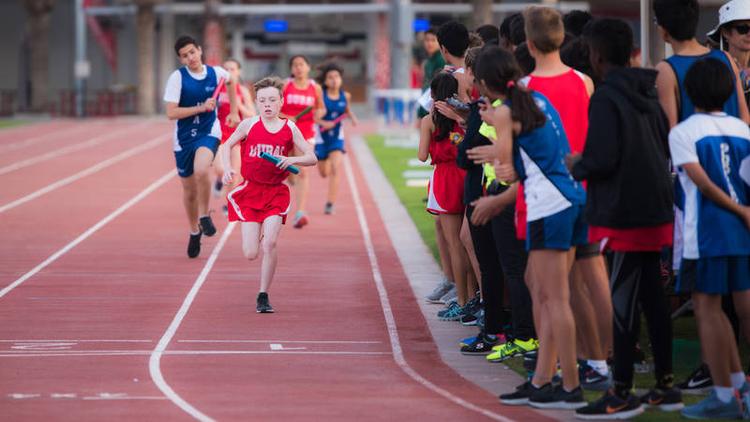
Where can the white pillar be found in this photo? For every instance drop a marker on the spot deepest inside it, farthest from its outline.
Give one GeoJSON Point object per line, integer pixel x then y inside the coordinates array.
{"type": "Point", "coordinates": [402, 28]}
{"type": "Point", "coordinates": [167, 56]}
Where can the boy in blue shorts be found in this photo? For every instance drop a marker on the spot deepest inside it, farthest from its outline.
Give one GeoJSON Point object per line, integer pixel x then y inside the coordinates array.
{"type": "Point", "coordinates": [189, 100]}
{"type": "Point", "coordinates": [711, 150]}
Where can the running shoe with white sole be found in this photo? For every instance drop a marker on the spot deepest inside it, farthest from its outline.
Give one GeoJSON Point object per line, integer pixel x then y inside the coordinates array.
{"type": "Point", "coordinates": [713, 408]}
{"type": "Point", "coordinates": [555, 397]}
{"type": "Point", "coordinates": [451, 295]}
{"type": "Point", "coordinates": [262, 304]}
{"type": "Point", "coordinates": [512, 348]}
{"type": "Point", "coordinates": [481, 345]}
{"type": "Point", "coordinates": [611, 407]}
{"type": "Point", "coordinates": [699, 382]}
{"type": "Point", "coordinates": [453, 312]}
{"type": "Point", "coordinates": [664, 400]}
{"type": "Point", "coordinates": [520, 396]}
{"type": "Point", "coordinates": [440, 290]}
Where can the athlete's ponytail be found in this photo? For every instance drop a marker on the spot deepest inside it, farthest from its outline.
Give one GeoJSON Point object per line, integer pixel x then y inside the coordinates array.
{"type": "Point", "coordinates": [500, 72]}
{"type": "Point", "coordinates": [442, 87]}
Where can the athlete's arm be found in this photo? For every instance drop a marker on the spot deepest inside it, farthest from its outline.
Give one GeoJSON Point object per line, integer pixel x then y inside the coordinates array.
{"type": "Point", "coordinates": [238, 135]}
{"type": "Point", "coordinates": [425, 134]}
{"type": "Point", "coordinates": [246, 105]}
{"type": "Point", "coordinates": [666, 87]}
{"type": "Point", "coordinates": [233, 118]}
{"type": "Point", "coordinates": [589, 84]}
{"type": "Point", "coordinates": [349, 111]}
{"type": "Point", "coordinates": [307, 158]}
{"type": "Point", "coordinates": [319, 108]}
{"type": "Point", "coordinates": [744, 114]}
{"type": "Point", "coordinates": [709, 189]}
{"type": "Point", "coordinates": [175, 112]}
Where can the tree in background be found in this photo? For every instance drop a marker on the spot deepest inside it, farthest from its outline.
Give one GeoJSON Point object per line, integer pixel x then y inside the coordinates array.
{"type": "Point", "coordinates": [38, 31]}
{"type": "Point", "coordinates": [481, 13]}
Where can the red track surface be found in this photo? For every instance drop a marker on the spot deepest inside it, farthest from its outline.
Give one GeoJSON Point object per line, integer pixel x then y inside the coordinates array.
{"type": "Point", "coordinates": [77, 335]}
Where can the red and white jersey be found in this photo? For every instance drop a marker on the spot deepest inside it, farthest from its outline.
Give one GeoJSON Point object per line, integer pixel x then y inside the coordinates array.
{"type": "Point", "coordinates": [258, 140]}
{"type": "Point", "coordinates": [296, 100]}
{"type": "Point", "coordinates": [223, 110]}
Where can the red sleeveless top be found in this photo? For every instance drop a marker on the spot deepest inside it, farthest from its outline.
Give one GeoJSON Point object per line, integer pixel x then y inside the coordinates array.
{"type": "Point", "coordinates": [569, 96]}
{"type": "Point", "coordinates": [445, 150]}
{"type": "Point", "coordinates": [223, 111]}
{"type": "Point", "coordinates": [296, 100]}
{"type": "Point", "coordinates": [258, 140]}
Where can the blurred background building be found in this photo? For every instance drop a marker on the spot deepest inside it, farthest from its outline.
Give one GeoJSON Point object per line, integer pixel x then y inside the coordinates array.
{"type": "Point", "coordinates": [125, 47]}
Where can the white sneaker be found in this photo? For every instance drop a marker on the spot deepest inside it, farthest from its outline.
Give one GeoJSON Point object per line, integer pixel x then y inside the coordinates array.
{"type": "Point", "coordinates": [450, 296]}
{"type": "Point", "coordinates": [440, 290]}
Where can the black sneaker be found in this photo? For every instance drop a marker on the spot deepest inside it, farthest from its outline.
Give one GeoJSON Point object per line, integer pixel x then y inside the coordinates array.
{"type": "Point", "coordinates": [520, 396]}
{"type": "Point", "coordinates": [263, 306]}
{"type": "Point", "coordinates": [665, 400]}
{"type": "Point", "coordinates": [593, 380]}
{"type": "Point", "coordinates": [207, 226]}
{"type": "Point", "coordinates": [470, 320]}
{"type": "Point", "coordinates": [482, 345]}
{"type": "Point", "coordinates": [610, 406]}
{"type": "Point", "coordinates": [698, 382]}
{"type": "Point", "coordinates": [555, 397]}
{"type": "Point", "coordinates": [194, 245]}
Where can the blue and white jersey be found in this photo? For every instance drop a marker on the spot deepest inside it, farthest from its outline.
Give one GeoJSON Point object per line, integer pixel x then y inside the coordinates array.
{"type": "Point", "coordinates": [539, 160]}
{"type": "Point", "coordinates": [681, 65]}
{"type": "Point", "coordinates": [189, 89]}
{"type": "Point", "coordinates": [721, 145]}
{"type": "Point", "coordinates": [334, 109]}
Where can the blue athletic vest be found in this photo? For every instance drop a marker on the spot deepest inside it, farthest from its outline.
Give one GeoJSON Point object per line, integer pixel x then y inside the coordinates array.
{"type": "Point", "coordinates": [334, 109]}
{"type": "Point", "coordinates": [681, 65]}
{"type": "Point", "coordinates": [193, 93]}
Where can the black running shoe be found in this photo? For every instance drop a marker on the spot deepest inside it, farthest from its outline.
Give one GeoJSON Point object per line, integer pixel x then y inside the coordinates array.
{"type": "Point", "coordinates": [698, 382]}
{"type": "Point", "coordinates": [520, 396]}
{"type": "Point", "coordinates": [591, 379]}
{"type": "Point", "coordinates": [207, 226]}
{"type": "Point", "coordinates": [263, 306]}
{"type": "Point", "coordinates": [194, 245]}
{"type": "Point", "coordinates": [610, 406]}
{"type": "Point", "coordinates": [482, 345]}
{"type": "Point", "coordinates": [555, 397]}
{"type": "Point", "coordinates": [665, 400]}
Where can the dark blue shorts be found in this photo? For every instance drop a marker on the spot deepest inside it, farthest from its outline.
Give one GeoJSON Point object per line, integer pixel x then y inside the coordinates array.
{"type": "Point", "coordinates": [186, 157]}
{"type": "Point", "coordinates": [325, 145]}
{"type": "Point", "coordinates": [717, 275]}
{"type": "Point", "coordinates": [558, 231]}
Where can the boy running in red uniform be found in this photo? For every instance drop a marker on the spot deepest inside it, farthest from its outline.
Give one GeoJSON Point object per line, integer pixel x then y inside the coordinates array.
{"type": "Point", "coordinates": [261, 202]}
{"type": "Point", "coordinates": [299, 93]}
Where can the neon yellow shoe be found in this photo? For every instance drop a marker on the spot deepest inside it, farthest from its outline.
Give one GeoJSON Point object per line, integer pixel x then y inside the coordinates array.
{"type": "Point", "coordinates": [513, 348]}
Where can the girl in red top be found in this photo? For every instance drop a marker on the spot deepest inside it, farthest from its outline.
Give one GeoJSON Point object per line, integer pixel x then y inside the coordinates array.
{"type": "Point", "coordinates": [246, 109]}
{"type": "Point", "coordinates": [439, 137]}
{"type": "Point", "coordinates": [261, 202]}
{"type": "Point", "coordinates": [301, 92]}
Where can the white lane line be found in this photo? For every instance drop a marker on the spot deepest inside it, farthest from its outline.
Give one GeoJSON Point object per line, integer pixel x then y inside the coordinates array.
{"type": "Point", "coordinates": [57, 152]}
{"type": "Point", "coordinates": [398, 354]}
{"type": "Point", "coordinates": [93, 229]}
{"type": "Point", "coordinates": [281, 341]}
{"type": "Point", "coordinates": [35, 139]}
{"type": "Point", "coordinates": [77, 341]}
{"type": "Point", "coordinates": [89, 171]}
{"type": "Point", "coordinates": [154, 366]}
{"type": "Point", "coordinates": [126, 398]}
{"type": "Point", "coordinates": [11, 354]}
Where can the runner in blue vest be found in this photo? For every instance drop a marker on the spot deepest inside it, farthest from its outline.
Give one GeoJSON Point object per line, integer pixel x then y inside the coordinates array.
{"type": "Point", "coordinates": [188, 97]}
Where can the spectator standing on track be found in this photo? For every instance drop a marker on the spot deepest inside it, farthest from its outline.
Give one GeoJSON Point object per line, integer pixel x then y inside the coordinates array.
{"type": "Point", "coordinates": [712, 152]}
{"type": "Point", "coordinates": [528, 130]}
{"type": "Point", "coordinates": [303, 104]}
{"type": "Point", "coordinates": [329, 141]}
{"type": "Point", "coordinates": [629, 209]}
{"type": "Point", "coordinates": [246, 109]}
{"type": "Point", "coordinates": [438, 140]}
{"type": "Point", "coordinates": [261, 202]}
{"type": "Point", "coordinates": [188, 100]}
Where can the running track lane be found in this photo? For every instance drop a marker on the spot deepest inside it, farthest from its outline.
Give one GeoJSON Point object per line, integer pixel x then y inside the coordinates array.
{"type": "Point", "coordinates": [333, 357]}
{"type": "Point", "coordinates": [127, 281]}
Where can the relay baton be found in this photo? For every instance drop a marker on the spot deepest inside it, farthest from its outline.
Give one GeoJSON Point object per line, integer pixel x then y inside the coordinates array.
{"type": "Point", "coordinates": [303, 112]}
{"type": "Point", "coordinates": [335, 122]}
{"type": "Point", "coordinates": [274, 159]}
{"type": "Point", "coordinates": [218, 88]}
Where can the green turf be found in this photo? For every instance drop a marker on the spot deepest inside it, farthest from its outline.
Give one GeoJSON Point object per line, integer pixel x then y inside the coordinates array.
{"type": "Point", "coordinates": [394, 161]}
{"type": "Point", "coordinates": [5, 123]}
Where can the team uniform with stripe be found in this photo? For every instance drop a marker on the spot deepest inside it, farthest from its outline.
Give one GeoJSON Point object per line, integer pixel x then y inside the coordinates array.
{"type": "Point", "coordinates": [189, 89]}
{"type": "Point", "coordinates": [222, 105]}
{"type": "Point", "coordinates": [445, 191]}
{"type": "Point", "coordinates": [554, 200]}
{"type": "Point", "coordinates": [716, 242]}
{"type": "Point", "coordinates": [332, 139]}
{"type": "Point", "coordinates": [263, 193]}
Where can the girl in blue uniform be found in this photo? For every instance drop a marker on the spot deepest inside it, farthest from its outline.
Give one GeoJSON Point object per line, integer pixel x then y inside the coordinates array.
{"type": "Point", "coordinates": [531, 146]}
{"type": "Point", "coordinates": [329, 141]}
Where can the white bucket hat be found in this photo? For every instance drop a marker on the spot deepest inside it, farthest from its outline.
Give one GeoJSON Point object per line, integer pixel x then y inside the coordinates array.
{"type": "Point", "coordinates": [735, 10]}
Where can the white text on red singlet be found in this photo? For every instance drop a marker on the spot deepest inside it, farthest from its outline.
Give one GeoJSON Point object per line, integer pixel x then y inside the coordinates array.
{"type": "Point", "coordinates": [297, 99]}
{"type": "Point", "coordinates": [276, 150]}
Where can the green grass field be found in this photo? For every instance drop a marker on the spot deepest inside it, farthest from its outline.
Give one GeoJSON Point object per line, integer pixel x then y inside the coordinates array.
{"type": "Point", "coordinates": [395, 161]}
{"type": "Point", "coordinates": [5, 123]}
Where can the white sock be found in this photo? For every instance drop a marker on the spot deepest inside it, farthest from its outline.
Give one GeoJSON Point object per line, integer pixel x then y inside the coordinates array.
{"type": "Point", "coordinates": [724, 394]}
{"type": "Point", "coordinates": [738, 379]}
{"type": "Point", "coordinates": [195, 234]}
{"type": "Point", "coordinates": [206, 215]}
{"type": "Point", "coordinates": [599, 366]}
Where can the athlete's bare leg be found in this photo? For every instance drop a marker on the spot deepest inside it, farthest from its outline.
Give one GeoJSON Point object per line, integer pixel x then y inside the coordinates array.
{"type": "Point", "coordinates": [202, 174]}
{"type": "Point", "coordinates": [271, 229]}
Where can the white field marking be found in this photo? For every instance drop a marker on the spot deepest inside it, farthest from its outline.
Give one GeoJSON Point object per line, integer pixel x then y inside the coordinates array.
{"type": "Point", "coordinates": [57, 152]}
{"type": "Point", "coordinates": [76, 341]}
{"type": "Point", "coordinates": [154, 362]}
{"type": "Point", "coordinates": [398, 354]}
{"type": "Point", "coordinates": [93, 229]}
{"type": "Point", "coordinates": [417, 183]}
{"type": "Point", "coordinates": [281, 341]}
{"type": "Point", "coordinates": [36, 346]}
{"type": "Point", "coordinates": [14, 354]}
{"type": "Point", "coordinates": [35, 139]}
{"type": "Point", "coordinates": [279, 346]}
{"type": "Point", "coordinates": [83, 173]}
